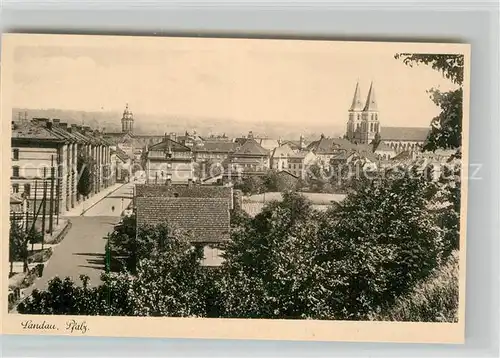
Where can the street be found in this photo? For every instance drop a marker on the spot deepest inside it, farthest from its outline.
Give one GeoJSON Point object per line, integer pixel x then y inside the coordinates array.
{"type": "Point", "coordinates": [83, 249]}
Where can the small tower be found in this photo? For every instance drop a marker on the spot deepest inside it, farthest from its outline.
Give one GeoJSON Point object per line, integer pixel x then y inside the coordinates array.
{"type": "Point", "coordinates": [127, 121]}
{"type": "Point", "coordinates": [355, 116]}
{"type": "Point", "coordinates": [370, 125]}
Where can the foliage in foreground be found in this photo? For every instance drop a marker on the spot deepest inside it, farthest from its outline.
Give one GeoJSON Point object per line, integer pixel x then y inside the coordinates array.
{"type": "Point", "coordinates": [168, 281]}
{"type": "Point", "coordinates": [433, 300]}
{"type": "Point", "coordinates": [353, 262]}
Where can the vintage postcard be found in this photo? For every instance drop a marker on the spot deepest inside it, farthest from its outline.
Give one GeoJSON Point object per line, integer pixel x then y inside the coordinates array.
{"type": "Point", "coordinates": [234, 188]}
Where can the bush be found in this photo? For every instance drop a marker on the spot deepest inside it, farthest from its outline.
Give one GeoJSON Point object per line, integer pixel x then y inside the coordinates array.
{"type": "Point", "coordinates": [433, 300]}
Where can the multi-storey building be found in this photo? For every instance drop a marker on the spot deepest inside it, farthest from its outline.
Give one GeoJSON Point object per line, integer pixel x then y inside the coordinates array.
{"type": "Point", "coordinates": [168, 161]}
{"type": "Point", "coordinates": [45, 157]}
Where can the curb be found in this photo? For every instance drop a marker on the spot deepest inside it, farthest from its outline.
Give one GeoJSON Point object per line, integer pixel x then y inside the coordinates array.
{"type": "Point", "coordinates": [60, 237]}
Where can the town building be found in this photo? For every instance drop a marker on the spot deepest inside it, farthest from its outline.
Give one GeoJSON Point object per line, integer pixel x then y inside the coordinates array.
{"type": "Point", "coordinates": [201, 212]}
{"type": "Point", "coordinates": [279, 157]}
{"type": "Point", "coordinates": [300, 161]}
{"type": "Point", "coordinates": [44, 162]}
{"type": "Point", "coordinates": [326, 149]}
{"type": "Point", "coordinates": [168, 161]}
{"type": "Point", "coordinates": [248, 159]}
{"type": "Point", "coordinates": [120, 165]}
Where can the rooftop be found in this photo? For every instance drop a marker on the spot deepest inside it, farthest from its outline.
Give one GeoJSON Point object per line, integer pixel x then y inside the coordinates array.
{"type": "Point", "coordinates": [204, 219]}
{"type": "Point", "coordinates": [417, 134]}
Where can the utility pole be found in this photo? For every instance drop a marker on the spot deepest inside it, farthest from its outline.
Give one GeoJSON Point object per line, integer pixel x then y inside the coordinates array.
{"type": "Point", "coordinates": [58, 194]}
{"type": "Point", "coordinates": [44, 203]}
{"type": "Point", "coordinates": [34, 211]}
{"type": "Point", "coordinates": [51, 204]}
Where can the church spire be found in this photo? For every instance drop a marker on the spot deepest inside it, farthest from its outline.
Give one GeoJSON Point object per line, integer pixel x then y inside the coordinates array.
{"type": "Point", "coordinates": [371, 102]}
{"type": "Point", "coordinates": [356, 105]}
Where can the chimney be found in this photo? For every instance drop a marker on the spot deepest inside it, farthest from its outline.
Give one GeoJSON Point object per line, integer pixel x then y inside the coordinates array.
{"type": "Point", "coordinates": [56, 122]}
{"type": "Point", "coordinates": [64, 125]}
{"type": "Point", "coordinates": [190, 182]}
{"type": "Point", "coordinates": [301, 143]}
{"type": "Point", "coordinates": [48, 124]}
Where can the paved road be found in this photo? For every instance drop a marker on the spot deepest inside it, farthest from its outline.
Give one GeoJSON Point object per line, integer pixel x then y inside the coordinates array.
{"type": "Point", "coordinates": [119, 200]}
{"type": "Point", "coordinates": [82, 250]}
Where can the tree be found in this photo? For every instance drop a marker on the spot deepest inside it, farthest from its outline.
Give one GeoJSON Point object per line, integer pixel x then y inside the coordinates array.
{"type": "Point", "coordinates": [271, 181]}
{"type": "Point", "coordinates": [18, 250]}
{"type": "Point", "coordinates": [85, 167]}
{"type": "Point", "coordinates": [377, 244]}
{"type": "Point", "coordinates": [168, 281]}
{"type": "Point", "coordinates": [250, 185]}
{"type": "Point", "coordinates": [446, 131]}
{"type": "Point", "coordinates": [267, 272]}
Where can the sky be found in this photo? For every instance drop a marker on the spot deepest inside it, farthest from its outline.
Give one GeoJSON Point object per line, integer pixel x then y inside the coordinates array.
{"type": "Point", "coordinates": [292, 82]}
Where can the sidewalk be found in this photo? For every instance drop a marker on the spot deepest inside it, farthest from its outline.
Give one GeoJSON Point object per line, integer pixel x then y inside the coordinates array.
{"type": "Point", "coordinates": [83, 206]}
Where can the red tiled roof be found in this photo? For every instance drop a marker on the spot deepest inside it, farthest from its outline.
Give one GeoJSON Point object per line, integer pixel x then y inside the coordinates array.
{"type": "Point", "coordinates": [170, 144]}
{"type": "Point", "coordinates": [404, 133]}
{"type": "Point", "coordinates": [216, 146]}
{"type": "Point", "coordinates": [29, 130]}
{"type": "Point", "coordinates": [330, 145]}
{"type": "Point", "coordinates": [204, 219]}
{"type": "Point", "coordinates": [183, 191]}
{"type": "Point", "coordinates": [250, 146]}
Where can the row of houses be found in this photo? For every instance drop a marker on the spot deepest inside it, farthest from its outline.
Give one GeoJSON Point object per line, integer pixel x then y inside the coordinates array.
{"type": "Point", "coordinates": [173, 160]}
{"type": "Point", "coordinates": [44, 162]}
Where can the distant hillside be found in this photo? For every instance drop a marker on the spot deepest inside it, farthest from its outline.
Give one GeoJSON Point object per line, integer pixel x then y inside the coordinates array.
{"type": "Point", "coordinates": [158, 124]}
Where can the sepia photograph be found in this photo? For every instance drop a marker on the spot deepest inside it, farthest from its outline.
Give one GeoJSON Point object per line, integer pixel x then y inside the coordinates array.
{"type": "Point", "coordinates": [234, 188]}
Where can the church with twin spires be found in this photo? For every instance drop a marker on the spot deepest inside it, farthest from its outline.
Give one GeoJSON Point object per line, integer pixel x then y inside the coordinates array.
{"type": "Point", "coordinates": [364, 125]}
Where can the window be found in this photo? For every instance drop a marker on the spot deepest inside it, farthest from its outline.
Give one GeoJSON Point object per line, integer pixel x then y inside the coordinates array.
{"type": "Point", "coordinates": [15, 154]}
{"type": "Point", "coordinates": [15, 188]}
{"type": "Point", "coordinates": [27, 189]}
{"type": "Point", "coordinates": [15, 171]}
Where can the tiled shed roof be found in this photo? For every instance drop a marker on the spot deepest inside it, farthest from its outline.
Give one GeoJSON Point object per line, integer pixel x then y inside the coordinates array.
{"type": "Point", "coordinates": [204, 219]}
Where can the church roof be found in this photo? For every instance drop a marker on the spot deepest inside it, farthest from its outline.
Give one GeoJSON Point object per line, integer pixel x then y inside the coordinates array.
{"type": "Point", "coordinates": [356, 105]}
{"type": "Point", "coordinates": [417, 134]}
{"type": "Point", "coordinates": [371, 101]}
